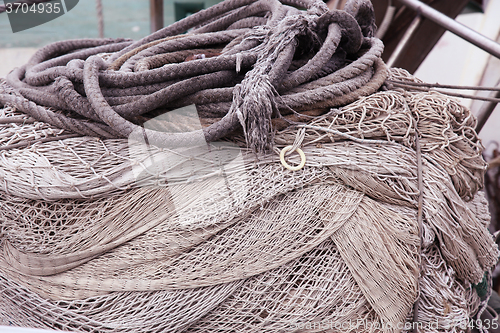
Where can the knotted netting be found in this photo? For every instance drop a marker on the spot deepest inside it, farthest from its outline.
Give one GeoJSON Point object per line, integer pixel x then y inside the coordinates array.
{"type": "Point", "coordinates": [145, 187]}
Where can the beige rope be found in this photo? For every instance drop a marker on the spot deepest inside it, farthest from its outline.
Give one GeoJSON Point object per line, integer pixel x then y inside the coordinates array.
{"type": "Point", "coordinates": [111, 235]}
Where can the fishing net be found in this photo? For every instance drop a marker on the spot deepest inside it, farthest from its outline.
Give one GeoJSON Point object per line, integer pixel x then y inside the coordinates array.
{"type": "Point", "coordinates": [145, 186]}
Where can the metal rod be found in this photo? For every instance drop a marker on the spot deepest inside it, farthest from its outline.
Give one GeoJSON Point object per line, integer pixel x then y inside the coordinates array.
{"type": "Point", "coordinates": [404, 40]}
{"type": "Point", "coordinates": [444, 86]}
{"type": "Point", "coordinates": [458, 29]}
{"type": "Point", "coordinates": [486, 110]}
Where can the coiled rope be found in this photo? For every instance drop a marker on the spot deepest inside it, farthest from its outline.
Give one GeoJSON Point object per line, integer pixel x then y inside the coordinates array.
{"type": "Point", "coordinates": [252, 61]}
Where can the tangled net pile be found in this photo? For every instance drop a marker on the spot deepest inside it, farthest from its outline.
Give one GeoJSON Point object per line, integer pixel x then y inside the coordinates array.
{"type": "Point", "coordinates": [123, 209]}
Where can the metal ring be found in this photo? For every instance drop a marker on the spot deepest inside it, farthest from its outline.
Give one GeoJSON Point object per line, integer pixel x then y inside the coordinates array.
{"type": "Point", "coordinates": [288, 166]}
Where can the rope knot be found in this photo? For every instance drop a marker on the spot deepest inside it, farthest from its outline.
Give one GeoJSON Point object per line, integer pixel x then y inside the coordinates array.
{"type": "Point", "coordinates": [254, 100]}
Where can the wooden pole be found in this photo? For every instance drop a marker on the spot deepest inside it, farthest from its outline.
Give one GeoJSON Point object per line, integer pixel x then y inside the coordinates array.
{"type": "Point", "coordinates": [100, 18]}
{"type": "Point", "coordinates": [156, 14]}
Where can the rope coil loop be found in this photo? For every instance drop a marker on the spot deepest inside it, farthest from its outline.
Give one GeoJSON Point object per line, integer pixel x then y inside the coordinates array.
{"type": "Point", "coordinates": [107, 223]}
{"type": "Point", "coordinates": [243, 63]}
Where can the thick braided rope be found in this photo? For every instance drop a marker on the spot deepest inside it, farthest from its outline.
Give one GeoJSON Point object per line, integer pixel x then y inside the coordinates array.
{"type": "Point", "coordinates": [148, 75]}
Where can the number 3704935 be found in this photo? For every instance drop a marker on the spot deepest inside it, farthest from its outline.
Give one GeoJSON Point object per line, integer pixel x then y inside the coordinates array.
{"type": "Point", "coordinates": [36, 8]}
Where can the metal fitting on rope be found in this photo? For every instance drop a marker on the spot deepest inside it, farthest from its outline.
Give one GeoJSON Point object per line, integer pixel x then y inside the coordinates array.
{"type": "Point", "coordinates": [288, 166]}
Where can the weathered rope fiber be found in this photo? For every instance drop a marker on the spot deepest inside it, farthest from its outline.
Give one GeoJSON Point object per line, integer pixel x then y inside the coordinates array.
{"type": "Point", "coordinates": [278, 61]}
{"type": "Point", "coordinates": [313, 235]}
{"type": "Point", "coordinates": [122, 211]}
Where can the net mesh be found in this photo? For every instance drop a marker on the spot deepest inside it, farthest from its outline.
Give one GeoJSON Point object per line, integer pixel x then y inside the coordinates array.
{"type": "Point", "coordinates": [114, 235]}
